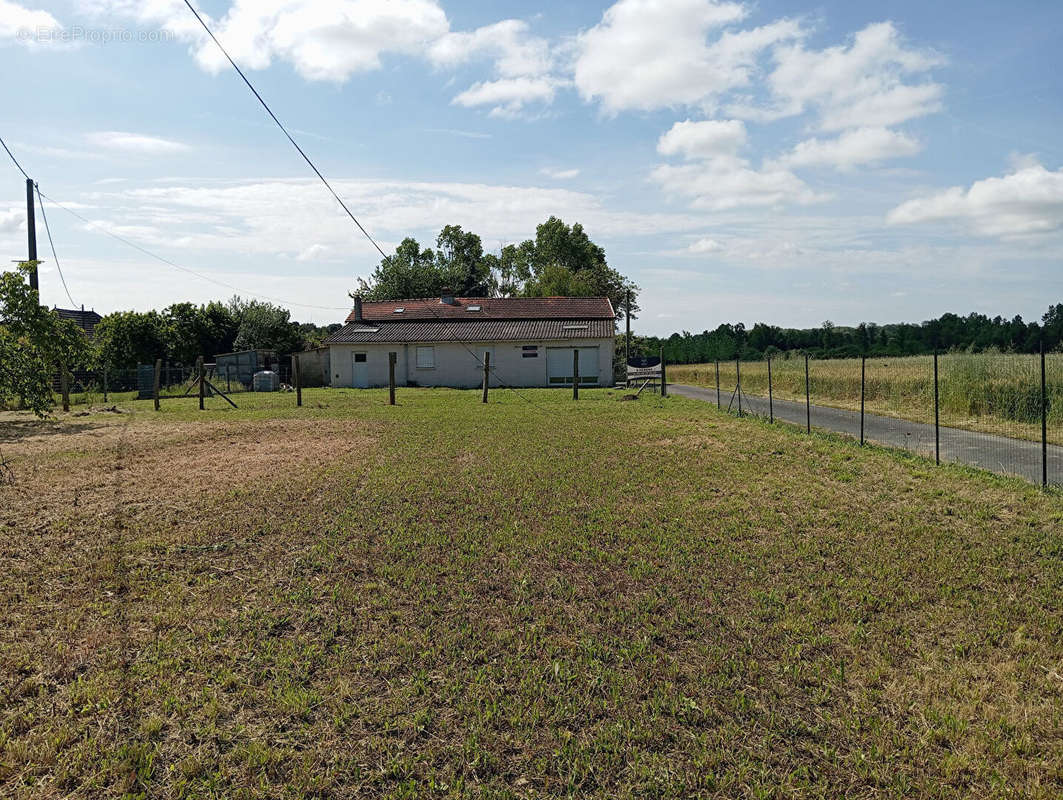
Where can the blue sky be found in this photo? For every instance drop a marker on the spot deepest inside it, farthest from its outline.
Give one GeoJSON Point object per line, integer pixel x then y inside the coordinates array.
{"type": "Point", "coordinates": [757, 162]}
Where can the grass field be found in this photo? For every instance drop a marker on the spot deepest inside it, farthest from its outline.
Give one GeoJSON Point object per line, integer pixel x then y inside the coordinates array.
{"type": "Point", "coordinates": [988, 392]}
{"type": "Point", "coordinates": [444, 599]}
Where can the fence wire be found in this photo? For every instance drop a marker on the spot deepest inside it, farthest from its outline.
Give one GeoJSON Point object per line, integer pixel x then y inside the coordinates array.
{"type": "Point", "coordinates": [988, 410]}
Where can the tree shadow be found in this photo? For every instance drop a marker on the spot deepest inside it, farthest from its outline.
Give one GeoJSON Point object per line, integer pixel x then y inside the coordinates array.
{"type": "Point", "coordinates": [13, 431]}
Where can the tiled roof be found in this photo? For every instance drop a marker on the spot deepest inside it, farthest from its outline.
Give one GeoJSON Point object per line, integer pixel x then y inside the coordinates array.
{"type": "Point", "coordinates": [490, 308]}
{"type": "Point", "coordinates": [86, 320]}
{"type": "Point", "coordinates": [473, 331]}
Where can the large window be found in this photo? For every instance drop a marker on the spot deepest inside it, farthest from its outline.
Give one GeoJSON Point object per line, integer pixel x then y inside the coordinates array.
{"type": "Point", "coordinates": [426, 357]}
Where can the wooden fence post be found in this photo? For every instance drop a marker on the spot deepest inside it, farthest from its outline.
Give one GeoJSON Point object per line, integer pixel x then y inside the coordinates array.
{"type": "Point", "coordinates": [202, 381]}
{"type": "Point", "coordinates": [487, 373]}
{"type": "Point", "coordinates": [392, 358]}
{"type": "Point", "coordinates": [105, 383]}
{"type": "Point", "coordinates": [158, 375]}
{"type": "Point", "coordinates": [64, 386]}
{"type": "Point", "coordinates": [575, 373]}
{"type": "Point", "coordinates": [298, 380]}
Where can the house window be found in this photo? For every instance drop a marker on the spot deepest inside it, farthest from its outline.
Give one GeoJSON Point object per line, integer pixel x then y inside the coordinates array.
{"type": "Point", "coordinates": [426, 358]}
{"type": "Point", "coordinates": [359, 358]}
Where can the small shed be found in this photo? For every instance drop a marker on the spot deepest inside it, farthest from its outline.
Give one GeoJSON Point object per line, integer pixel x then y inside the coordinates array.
{"type": "Point", "coordinates": [243, 365]}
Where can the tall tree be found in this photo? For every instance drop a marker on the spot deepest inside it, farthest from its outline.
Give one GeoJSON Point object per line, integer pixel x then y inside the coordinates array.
{"type": "Point", "coordinates": [264, 326]}
{"type": "Point", "coordinates": [562, 260]}
{"type": "Point", "coordinates": [34, 344]}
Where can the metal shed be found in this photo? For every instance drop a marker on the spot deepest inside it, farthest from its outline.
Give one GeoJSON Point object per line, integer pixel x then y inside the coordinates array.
{"type": "Point", "coordinates": [243, 365]}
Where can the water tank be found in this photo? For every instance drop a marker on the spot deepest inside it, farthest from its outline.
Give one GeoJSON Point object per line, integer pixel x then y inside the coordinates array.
{"type": "Point", "coordinates": [266, 381]}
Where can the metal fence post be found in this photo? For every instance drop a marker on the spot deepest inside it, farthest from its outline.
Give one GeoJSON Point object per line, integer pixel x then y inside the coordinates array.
{"type": "Point", "coordinates": [158, 376]}
{"type": "Point", "coordinates": [937, 421]}
{"type": "Point", "coordinates": [105, 383]}
{"type": "Point", "coordinates": [771, 399]}
{"type": "Point", "coordinates": [808, 400]}
{"type": "Point", "coordinates": [738, 384]}
{"type": "Point", "coordinates": [487, 373]}
{"type": "Point", "coordinates": [575, 373]}
{"type": "Point", "coordinates": [298, 376]}
{"type": "Point", "coordinates": [863, 382]}
{"type": "Point", "coordinates": [718, 406]}
{"type": "Point", "coordinates": [64, 386]}
{"type": "Point", "coordinates": [1044, 420]}
{"type": "Point", "coordinates": [664, 376]}
{"type": "Point", "coordinates": [202, 382]}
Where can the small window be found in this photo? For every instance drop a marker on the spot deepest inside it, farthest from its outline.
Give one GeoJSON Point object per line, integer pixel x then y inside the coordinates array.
{"type": "Point", "coordinates": [426, 358]}
{"type": "Point", "coordinates": [473, 308]}
{"type": "Point", "coordinates": [359, 358]}
{"type": "Point", "coordinates": [399, 310]}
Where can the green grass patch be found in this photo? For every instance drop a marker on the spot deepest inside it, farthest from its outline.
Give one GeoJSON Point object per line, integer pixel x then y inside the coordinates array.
{"type": "Point", "coordinates": [445, 599]}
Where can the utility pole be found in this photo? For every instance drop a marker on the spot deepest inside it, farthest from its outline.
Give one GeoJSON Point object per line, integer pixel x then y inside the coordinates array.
{"type": "Point", "coordinates": [31, 232]}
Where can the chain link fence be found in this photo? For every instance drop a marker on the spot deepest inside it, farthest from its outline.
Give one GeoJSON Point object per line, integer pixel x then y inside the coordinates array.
{"type": "Point", "coordinates": [1002, 412]}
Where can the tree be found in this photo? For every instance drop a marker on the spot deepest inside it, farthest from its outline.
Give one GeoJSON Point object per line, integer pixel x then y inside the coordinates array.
{"type": "Point", "coordinates": [34, 344]}
{"type": "Point", "coordinates": [562, 260]}
{"type": "Point", "coordinates": [264, 326]}
{"type": "Point", "coordinates": [194, 331]}
{"type": "Point", "coordinates": [462, 265]}
{"type": "Point", "coordinates": [127, 338]}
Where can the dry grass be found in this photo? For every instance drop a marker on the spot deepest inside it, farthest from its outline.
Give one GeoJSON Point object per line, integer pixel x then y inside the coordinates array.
{"type": "Point", "coordinates": [598, 599]}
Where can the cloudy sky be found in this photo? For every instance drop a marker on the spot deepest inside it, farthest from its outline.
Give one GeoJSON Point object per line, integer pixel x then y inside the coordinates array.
{"type": "Point", "coordinates": [774, 162]}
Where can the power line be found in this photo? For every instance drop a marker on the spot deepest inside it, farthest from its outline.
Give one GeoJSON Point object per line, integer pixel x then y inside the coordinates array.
{"type": "Point", "coordinates": [15, 160]}
{"type": "Point", "coordinates": [325, 182]}
{"type": "Point", "coordinates": [284, 130]}
{"type": "Point", "coordinates": [51, 244]}
{"type": "Point", "coordinates": [177, 266]}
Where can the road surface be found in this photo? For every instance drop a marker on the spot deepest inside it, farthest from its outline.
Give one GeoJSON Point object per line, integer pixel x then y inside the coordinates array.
{"type": "Point", "coordinates": [998, 454]}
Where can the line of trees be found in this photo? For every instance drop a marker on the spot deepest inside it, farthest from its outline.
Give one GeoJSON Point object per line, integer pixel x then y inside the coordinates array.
{"type": "Point", "coordinates": [972, 333]}
{"type": "Point", "coordinates": [561, 261]}
{"type": "Point", "coordinates": [184, 331]}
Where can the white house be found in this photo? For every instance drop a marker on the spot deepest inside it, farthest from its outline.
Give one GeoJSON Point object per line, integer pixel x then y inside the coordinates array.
{"type": "Point", "coordinates": [442, 342]}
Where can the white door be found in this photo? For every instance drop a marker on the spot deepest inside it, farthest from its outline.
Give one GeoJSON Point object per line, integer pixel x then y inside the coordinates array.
{"type": "Point", "coordinates": [361, 371]}
{"type": "Point", "coordinates": [559, 366]}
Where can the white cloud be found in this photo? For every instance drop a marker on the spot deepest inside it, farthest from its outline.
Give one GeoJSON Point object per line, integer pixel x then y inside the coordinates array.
{"type": "Point", "coordinates": [852, 148]}
{"type": "Point", "coordinates": [312, 253]}
{"type": "Point", "coordinates": [323, 39]}
{"type": "Point", "coordinates": [23, 24]}
{"type": "Point", "coordinates": [718, 185]}
{"type": "Point", "coordinates": [858, 85]}
{"type": "Point", "coordinates": [12, 220]}
{"type": "Point", "coordinates": [706, 139]}
{"type": "Point", "coordinates": [559, 174]}
{"type": "Point", "coordinates": [135, 142]}
{"type": "Point", "coordinates": [508, 96]}
{"type": "Point", "coordinates": [1026, 202]}
{"type": "Point", "coordinates": [649, 54]}
{"type": "Point", "coordinates": [516, 52]}
{"type": "Point", "coordinates": [524, 66]}
{"type": "Point", "coordinates": [705, 245]}
{"type": "Point", "coordinates": [272, 218]}
{"type": "Point", "coordinates": [716, 177]}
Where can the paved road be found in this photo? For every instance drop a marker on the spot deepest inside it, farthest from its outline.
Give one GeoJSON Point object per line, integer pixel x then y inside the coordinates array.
{"type": "Point", "coordinates": [995, 453]}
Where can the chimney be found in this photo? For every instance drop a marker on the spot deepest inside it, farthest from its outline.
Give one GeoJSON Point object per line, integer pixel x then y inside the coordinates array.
{"type": "Point", "coordinates": [447, 297]}
{"type": "Point", "coordinates": [358, 309]}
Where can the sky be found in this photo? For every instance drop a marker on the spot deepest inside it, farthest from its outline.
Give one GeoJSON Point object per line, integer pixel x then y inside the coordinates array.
{"type": "Point", "coordinates": [757, 162]}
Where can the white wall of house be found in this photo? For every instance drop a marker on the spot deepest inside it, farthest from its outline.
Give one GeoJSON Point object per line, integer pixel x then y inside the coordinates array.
{"type": "Point", "coordinates": [513, 363]}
